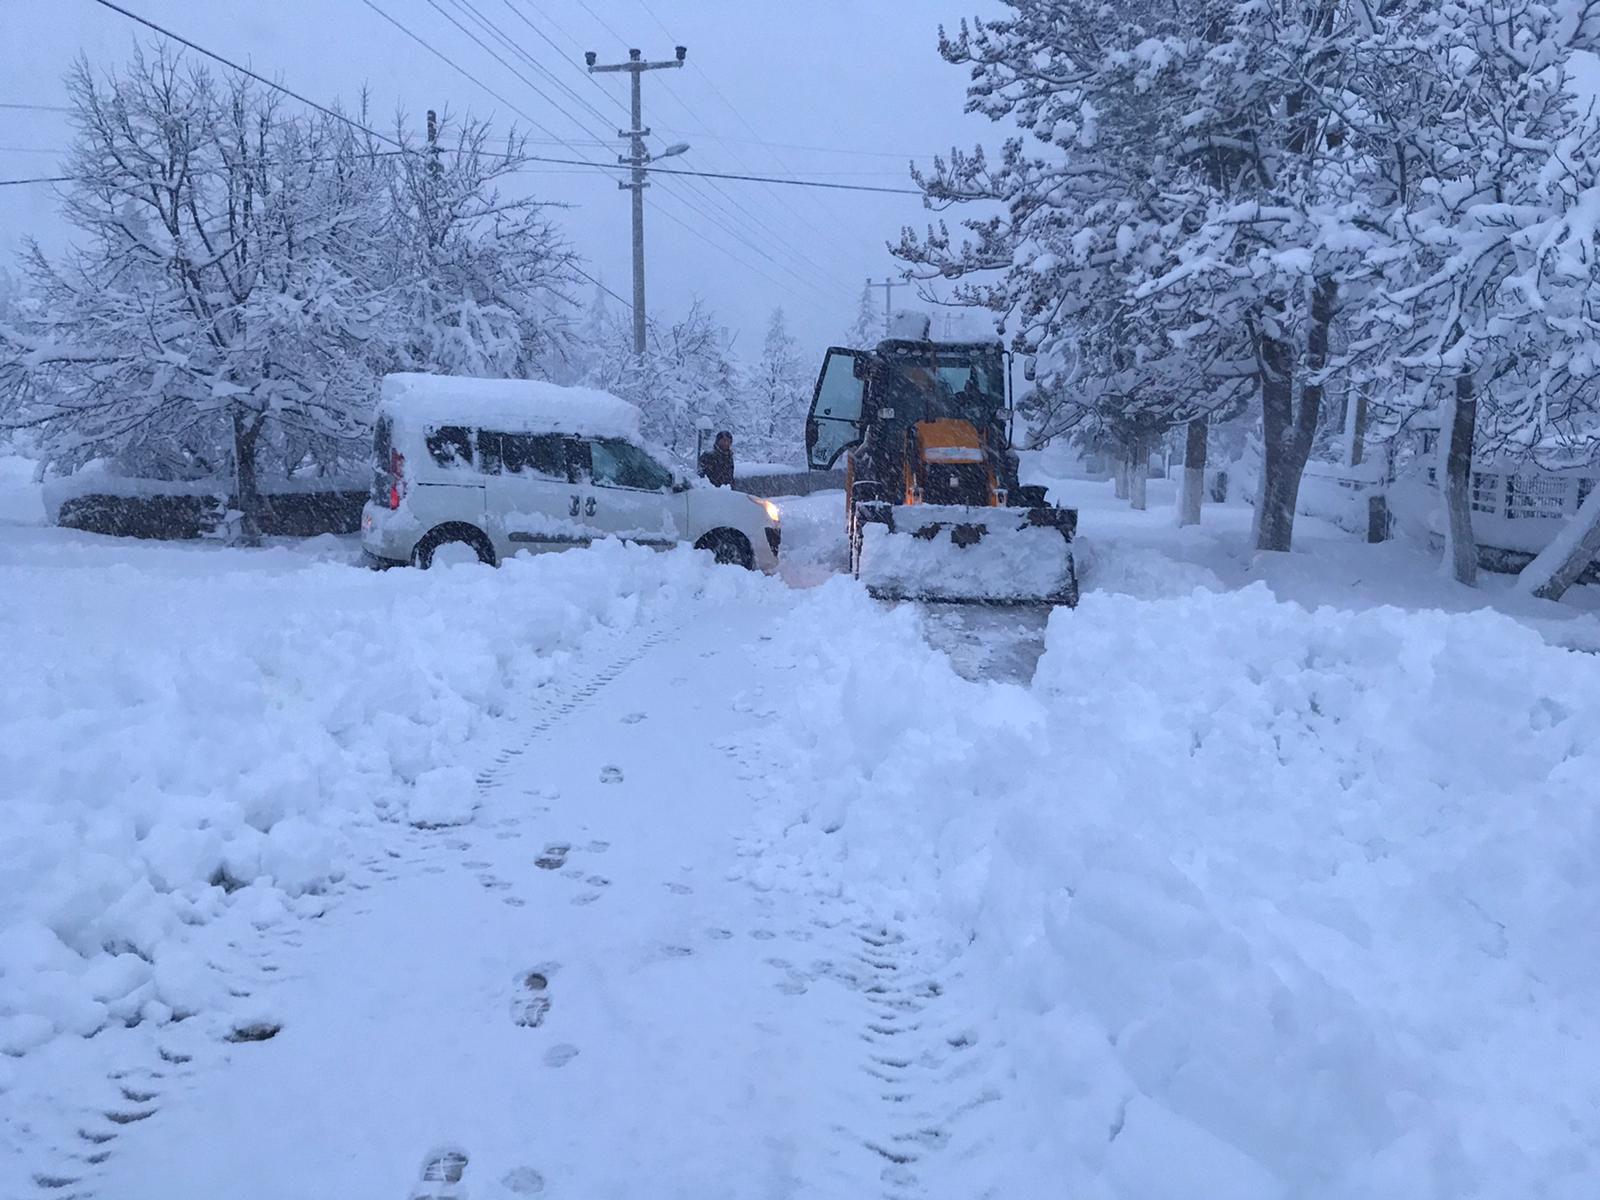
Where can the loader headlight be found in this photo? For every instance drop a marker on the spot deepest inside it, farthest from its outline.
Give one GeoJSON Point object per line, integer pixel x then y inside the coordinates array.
{"type": "Point", "coordinates": [774, 513]}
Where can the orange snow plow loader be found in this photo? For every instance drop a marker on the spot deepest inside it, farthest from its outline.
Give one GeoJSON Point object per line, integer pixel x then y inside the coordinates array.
{"type": "Point", "coordinates": [933, 507]}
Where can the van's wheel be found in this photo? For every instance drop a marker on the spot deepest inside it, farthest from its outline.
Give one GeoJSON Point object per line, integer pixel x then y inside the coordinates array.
{"type": "Point", "coordinates": [452, 535]}
{"type": "Point", "coordinates": [729, 548]}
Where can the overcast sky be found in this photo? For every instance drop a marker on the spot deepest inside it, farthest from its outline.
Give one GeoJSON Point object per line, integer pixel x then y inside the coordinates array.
{"type": "Point", "coordinates": [840, 90]}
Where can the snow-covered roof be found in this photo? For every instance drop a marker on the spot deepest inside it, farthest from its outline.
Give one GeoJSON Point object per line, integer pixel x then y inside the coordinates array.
{"type": "Point", "coordinates": [508, 405]}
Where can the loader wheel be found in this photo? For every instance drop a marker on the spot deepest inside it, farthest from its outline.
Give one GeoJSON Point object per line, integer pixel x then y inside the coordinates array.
{"type": "Point", "coordinates": [729, 548]}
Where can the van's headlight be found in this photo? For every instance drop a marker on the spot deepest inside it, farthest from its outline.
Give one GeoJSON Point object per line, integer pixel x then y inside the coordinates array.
{"type": "Point", "coordinates": [774, 513]}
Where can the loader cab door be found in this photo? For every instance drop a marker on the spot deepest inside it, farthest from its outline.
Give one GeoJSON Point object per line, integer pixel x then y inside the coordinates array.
{"type": "Point", "coordinates": [834, 424]}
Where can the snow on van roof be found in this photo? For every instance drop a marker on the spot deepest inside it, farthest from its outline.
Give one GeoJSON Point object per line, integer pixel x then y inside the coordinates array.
{"type": "Point", "coordinates": [508, 405]}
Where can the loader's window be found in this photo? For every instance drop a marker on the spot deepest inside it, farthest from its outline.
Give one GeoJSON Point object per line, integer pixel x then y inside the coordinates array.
{"type": "Point", "coordinates": [835, 422]}
{"type": "Point", "coordinates": [839, 396]}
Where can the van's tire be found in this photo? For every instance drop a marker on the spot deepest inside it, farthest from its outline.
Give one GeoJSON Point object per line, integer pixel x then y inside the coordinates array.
{"type": "Point", "coordinates": [454, 531]}
{"type": "Point", "coordinates": [729, 547]}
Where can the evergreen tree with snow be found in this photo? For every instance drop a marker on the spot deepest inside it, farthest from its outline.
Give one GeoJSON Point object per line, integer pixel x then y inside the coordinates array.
{"type": "Point", "coordinates": [774, 398]}
{"type": "Point", "coordinates": [686, 373]}
{"type": "Point", "coordinates": [867, 329]}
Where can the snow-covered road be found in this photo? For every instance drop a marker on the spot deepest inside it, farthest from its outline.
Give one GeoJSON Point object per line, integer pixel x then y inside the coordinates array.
{"type": "Point", "coordinates": [585, 990]}
{"type": "Point", "coordinates": [612, 874]}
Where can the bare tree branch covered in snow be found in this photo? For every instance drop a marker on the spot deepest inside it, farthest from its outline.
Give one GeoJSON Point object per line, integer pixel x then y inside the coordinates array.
{"type": "Point", "coordinates": [244, 274]}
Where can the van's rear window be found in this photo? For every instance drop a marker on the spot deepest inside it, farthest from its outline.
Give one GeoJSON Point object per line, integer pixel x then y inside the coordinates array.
{"type": "Point", "coordinates": [450, 446]}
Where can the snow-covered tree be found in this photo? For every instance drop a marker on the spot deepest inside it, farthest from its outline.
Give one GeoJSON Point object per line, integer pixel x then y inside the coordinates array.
{"type": "Point", "coordinates": [243, 274]}
{"type": "Point", "coordinates": [1166, 208]}
{"type": "Point", "coordinates": [685, 373]}
{"type": "Point", "coordinates": [1491, 304]}
{"type": "Point", "coordinates": [774, 397]}
{"type": "Point", "coordinates": [481, 282]}
{"type": "Point", "coordinates": [211, 289]}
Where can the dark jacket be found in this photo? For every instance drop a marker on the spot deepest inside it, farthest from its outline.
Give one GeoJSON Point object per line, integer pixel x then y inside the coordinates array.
{"type": "Point", "coordinates": [717, 466]}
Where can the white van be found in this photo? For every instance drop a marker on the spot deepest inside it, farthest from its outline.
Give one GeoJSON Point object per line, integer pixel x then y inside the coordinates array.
{"type": "Point", "coordinates": [483, 468]}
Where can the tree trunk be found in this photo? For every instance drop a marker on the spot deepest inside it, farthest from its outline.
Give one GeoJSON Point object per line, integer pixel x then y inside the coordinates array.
{"type": "Point", "coordinates": [1455, 481]}
{"type": "Point", "coordinates": [246, 435]}
{"type": "Point", "coordinates": [1122, 474]}
{"type": "Point", "coordinates": [1194, 472]}
{"type": "Point", "coordinates": [1561, 562]}
{"type": "Point", "coordinates": [1287, 430]}
{"type": "Point", "coordinates": [1355, 428]}
{"type": "Point", "coordinates": [1139, 475]}
{"type": "Point", "coordinates": [1280, 479]}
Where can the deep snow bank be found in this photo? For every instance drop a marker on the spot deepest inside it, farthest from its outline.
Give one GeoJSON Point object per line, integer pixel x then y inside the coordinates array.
{"type": "Point", "coordinates": [1267, 902]}
{"type": "Point", "coordinates": [200, 735]}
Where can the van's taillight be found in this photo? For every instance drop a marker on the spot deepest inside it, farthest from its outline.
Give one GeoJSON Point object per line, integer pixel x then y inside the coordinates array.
{"type": "Point", "coordinates": [397, 478]}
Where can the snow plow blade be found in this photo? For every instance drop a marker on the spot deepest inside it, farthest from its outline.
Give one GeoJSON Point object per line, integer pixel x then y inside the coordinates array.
{"type": "Point", "coordinates": [967, 555]}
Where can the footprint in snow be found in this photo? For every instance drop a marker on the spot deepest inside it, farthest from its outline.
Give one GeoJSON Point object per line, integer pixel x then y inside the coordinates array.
{"type": "Point", "coordinates": [554, 857]}
{"type": "Point", "coordinates": [679, 889]}
{"type": "Point", "coordinates": [560, 1055]}
{"type": "Point", "coordinates": [610, 774]}
{"type": "Point", "coordinates": [586, 898]}
{"type": "Point", "coordinates": [676, 951]}
{"type": "Point", "coordinates": [633, 718]}
{"type": "Point", "coordinates": [441, 1175]}
{"type": "Point", "coordinates": [598, 847]}
{"type": "Point", "coordinates": [530, 1008]}
{"type": "Point", "coordinates": [522, 1181]}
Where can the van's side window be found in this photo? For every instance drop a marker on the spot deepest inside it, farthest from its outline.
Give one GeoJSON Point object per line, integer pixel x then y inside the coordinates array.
{"type": "Point", "coordinates": [622, 464]}
{"type": "Point", "coordinates": [522, 453]}
{"type": "Point", "coordinates": [450, 446]}
{"type": "Point", "coordinates": [542, 455]}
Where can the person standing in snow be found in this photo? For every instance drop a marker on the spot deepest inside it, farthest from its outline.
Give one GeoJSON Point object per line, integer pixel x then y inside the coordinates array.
{"type": "Point", "coordinates": [716, 464]}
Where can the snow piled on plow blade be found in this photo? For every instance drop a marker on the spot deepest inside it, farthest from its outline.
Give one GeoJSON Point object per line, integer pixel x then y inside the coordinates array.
{"type": "Point", "coordinates": [980, 555]}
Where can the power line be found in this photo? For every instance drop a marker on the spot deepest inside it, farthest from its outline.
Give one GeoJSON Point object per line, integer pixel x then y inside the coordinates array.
{"type": "Point", "coordinates": [463, 72]}
{"type": "Point", "coordinates": [736, 234]}
{"type": "Point", "coordinates": [199, 49]}
{"type": "Point", "coordinates": [583, 162]}
{"type": "Point", "coordinates": [716, 199]}
{"type": "Point", "coordinates": [56, 108]}
{"type": "Point", "coordinates": [734, 154]}
{"type": "Point", "coordinates": [790, 181]}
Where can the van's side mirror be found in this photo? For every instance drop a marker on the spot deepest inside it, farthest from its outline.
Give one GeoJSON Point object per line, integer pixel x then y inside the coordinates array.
{"type": "Point", "coordinates": [859, 367]}
{"type": "Point", "coordinates": [680, 483]}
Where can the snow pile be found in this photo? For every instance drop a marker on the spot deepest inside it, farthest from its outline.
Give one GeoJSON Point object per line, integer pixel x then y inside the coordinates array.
{"type": "Point", "coordinates": [180, 746]}
{"type": "Point", "coordinates": [509, 405]}
{"type": "Point", "coordinates": [19, 493]}
{"type": "Point", "coordinates": [1006, 563]}
{"type": "Point", "coordinates": [1267, 903]}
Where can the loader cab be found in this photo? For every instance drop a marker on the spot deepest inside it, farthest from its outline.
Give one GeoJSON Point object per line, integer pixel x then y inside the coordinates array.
{"type": "Point", "coordinates": [904, 382]}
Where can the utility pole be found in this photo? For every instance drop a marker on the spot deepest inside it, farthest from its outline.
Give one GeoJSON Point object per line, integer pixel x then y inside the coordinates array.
{"type": "Point", "coordinates": [888, 285]}
{"type": "Point", "coordinates": [637, 159]}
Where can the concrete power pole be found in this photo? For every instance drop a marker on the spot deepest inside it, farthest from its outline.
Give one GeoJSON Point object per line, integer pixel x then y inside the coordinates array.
{"type": "Point", "coordinates": [888, 285]}
{"type": "Point", "coordinates": [637, 159]}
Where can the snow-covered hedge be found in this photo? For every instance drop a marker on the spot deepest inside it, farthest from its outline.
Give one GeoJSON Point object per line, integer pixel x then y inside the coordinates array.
{"type": "Point", "coordinates": [211, 734]}
{"type": "Point", "coordinates": [1261, 902]}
